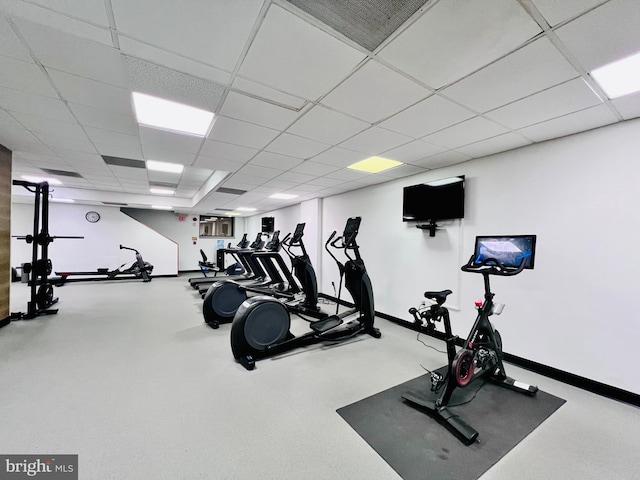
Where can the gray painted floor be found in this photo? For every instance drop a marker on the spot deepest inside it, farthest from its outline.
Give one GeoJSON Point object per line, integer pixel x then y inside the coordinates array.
{"type": "Point", "coordinates": [129, 377]}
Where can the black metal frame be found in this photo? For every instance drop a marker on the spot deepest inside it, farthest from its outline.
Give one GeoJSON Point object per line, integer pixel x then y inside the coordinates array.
{"type": "Point", "coordinates": [481, 354]}
{"type": "Point", "coordinates": [253, 338]}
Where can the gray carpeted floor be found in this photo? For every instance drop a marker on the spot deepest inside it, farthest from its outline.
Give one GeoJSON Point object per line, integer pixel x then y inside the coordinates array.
{"type": "Point", "coordinates": [129, 377]}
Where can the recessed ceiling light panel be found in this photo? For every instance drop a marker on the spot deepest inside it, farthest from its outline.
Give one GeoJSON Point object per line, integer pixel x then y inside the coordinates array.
{"type": "Point", "coordinates": [374, 165]}
{"type": "Point", "coordinates": [167, 115]}
{"type": "Point", "coordinates": [619, 78]}
{"type": "Point", "coordinates": [164, 166]}
{"type": "Point", "coordinates": [162, 191]}
{"type": "Point", "coordinates": [283, 196]}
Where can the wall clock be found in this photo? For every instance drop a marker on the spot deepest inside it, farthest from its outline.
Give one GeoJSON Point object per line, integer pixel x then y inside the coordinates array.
{"type": "Point", "coordinates": [92, 217]}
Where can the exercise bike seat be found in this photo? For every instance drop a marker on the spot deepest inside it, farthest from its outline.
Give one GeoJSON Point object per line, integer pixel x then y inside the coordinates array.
{"type": "Point", "coordinates": [326, 324]}
{"type": "Point", "coordinates": [439, 297]}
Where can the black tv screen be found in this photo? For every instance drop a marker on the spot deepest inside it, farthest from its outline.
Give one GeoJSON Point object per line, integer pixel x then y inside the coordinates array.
{"type": "Point", "coordinates": [432, 201]}
{"type": "Point", "coordinates": [268, 224]}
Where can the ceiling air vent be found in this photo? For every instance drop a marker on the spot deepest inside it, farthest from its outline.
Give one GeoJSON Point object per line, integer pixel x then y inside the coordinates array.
{"type": "Point", "coordinates": [366, 22]}
{"type": "Point", "coordinates": [231, 191]}
{"type": "Point", "coordinates": [62, 173]}
{"type": "Point", "coordinates": [124, 162]}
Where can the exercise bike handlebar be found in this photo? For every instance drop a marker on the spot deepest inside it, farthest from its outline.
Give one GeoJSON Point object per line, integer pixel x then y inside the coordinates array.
{"type": "Point", "coordinates": [492, 266]}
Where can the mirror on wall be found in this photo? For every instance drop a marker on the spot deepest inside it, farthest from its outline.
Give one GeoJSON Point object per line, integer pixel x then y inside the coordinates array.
{"type": "Point", "coordinates": [216, 226]}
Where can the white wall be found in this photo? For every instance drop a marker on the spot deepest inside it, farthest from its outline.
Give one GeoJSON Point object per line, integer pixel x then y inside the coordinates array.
{"type": "Point", "coordinates": [100, 246]}
{"type": "Point", "coordinates": [183, 232]}
{"type": "Point", "coordinates": [577, 310]}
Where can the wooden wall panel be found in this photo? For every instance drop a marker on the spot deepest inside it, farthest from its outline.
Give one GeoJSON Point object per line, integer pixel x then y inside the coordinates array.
{"type": "Point", "coordinates": [5, 230]}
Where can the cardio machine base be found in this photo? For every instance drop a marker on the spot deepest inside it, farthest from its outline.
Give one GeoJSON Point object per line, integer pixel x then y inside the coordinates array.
{"type": "Point", "coordinates": [459, 427]}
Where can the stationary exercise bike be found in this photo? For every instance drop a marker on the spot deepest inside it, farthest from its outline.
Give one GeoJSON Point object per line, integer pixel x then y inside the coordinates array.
{"type": "Point", "coordinates": [481, 353]}
{"type": "Point", "coordinates": [261, 326]}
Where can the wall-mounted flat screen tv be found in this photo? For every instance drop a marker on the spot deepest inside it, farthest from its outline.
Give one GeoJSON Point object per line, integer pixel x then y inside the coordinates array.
{"type": "Point", "coordinates": [431, 201]}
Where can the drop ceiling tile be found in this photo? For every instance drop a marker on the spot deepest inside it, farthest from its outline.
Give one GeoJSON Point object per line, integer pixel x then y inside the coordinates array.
{"type": "Point", "coordinates": [327, 126]}
{"type": "Point", "coordinates": [173, 85]}
{"type": "Point", "coordinates": [314, 168]}
{"type": "Point", "coordinates": [92, 93]}
{"type": "Point", "coordinates": [347, 175]}
{"type": "Point", "coordinates": [104, 119]}
{"type": "Point", "coordinates": [279, 184]}
{"type": "Point", "coordinates": [628, 106]}
{"type": "Point", "coordinates": [294, 146]}
{"type": "Point", "coordinates": [241, 133]}
{"type": "Point", "coordinates": [428, 116]}
{"type": "Point", "coordinates": [412, 151]}
{"type": "Point", "coordinates": [307, 187]}
{"type": "Point", "coordinates": [152, 137]}
{"type": "Point", "coordinates": [26, 77]}
{"type": "Point", "coordinates": [531, 69]}
{"type": "Point", "coordinates": [340, 157]}
{"type": "Point", "coordinates": [170, 60]}
{"type": "Point", "coordinates": [10, 45]}
{"type": "Point", "coordinates": [464, 133]}
{"type": "Point", "coordinates": [35, 123]}
{"type": "Point", "coordinates": [217, 164]}
{"type": "Point", "coordinates": [227, 151]}
{"type": "Point", "coordinates": [274, 160]}
{"type": "Point", "coordinates": [81, 144]}
{"type": "Point", "coordinates": [100, 136]}
{"type": "Point", "coordinates": [375, 140]}
{"type": "Point", "coordinates": [568, 97]}
{"type": "Point", "coordinates": [501, 143]}
{"type": "Point", "coordinates": [325, 182]}
{"type": "Point", "coordinates": [15, 101]}
{"type": "Point", "coordinates": [295, 57]}
{"type": "Point", "coordinates": [259, 172]}
{"type": "Point", "coordinates": [616, 25]}
{"type": "Point", "coordinates": [129, 173]}
{"type": "Point", "coordinates": [587, 119]}
{"type": "Point", "coordinates": [44, 16]}
{"type": "Point", "coordinates": [450, 157]}
{"type": "Point", "coordinates": [295, 177]}
{"type": "Point", "coordinates": [392, 92]}
{"type": "Point", "coordinates": [89, 10]}
{"type": "Point", "coordinates": [58, 50]}
{"type": "Point", "coordinates": [244, 85]}
{"type": "Point", "coordinates": [453, 39]}
{"type": "Point", "coordinates": [120, 150]}
{"type": "Point", "coordinates": [162, 154]}
{"type": "Point", "coordinates": [213, 32]}
{"type": "Point", "coordinates": [401, 171]}
{"type": "Point", "coordinates": [242, 107]}
{"type": "Point", "coordinates": [556, 12]}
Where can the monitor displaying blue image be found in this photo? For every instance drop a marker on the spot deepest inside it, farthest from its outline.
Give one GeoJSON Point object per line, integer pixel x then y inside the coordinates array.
{"type": "Point", "coordinates": [510, 251]}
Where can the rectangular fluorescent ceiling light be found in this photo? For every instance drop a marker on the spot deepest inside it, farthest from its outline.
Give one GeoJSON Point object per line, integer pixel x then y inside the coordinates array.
{"type": "Point", "coordinates": [63, 200]}
{"type": "Point", "coordinates": [162, 191]}
{"type": "Point", "coordinates": [164, 166]}
{"type": "Point", "coordinates": [167, 115]}
{"type": "Point", "coordinates": [374, 165]}
{"type": "Point", "coordinates": [161, 207]}
{"type": "Point", "coordinates": [246, 209]}
{"type": "Point", "coordinates": [619, 78]}
{"type": "Point", "coordinates": [50, 181]}
{"type": "Point", "coordinates": [283, 196]}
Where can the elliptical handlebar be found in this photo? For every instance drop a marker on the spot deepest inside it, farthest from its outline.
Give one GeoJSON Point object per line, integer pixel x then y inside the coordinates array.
{"type": "Point", "coordinates": [492, 266]}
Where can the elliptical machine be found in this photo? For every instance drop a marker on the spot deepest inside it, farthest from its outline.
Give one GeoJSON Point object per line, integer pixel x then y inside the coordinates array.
{"type": "Point", "coordinates": [261, 326]}
{"type": "Point", "coordinates": [481, 353]}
